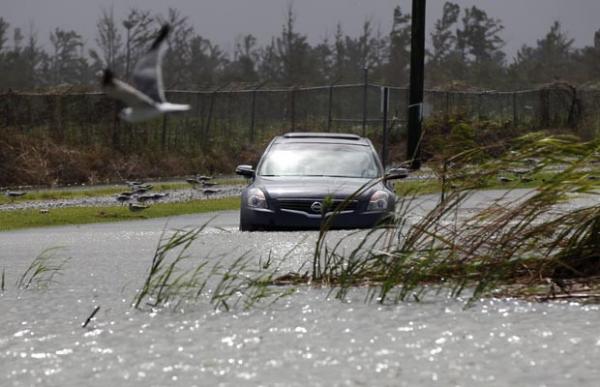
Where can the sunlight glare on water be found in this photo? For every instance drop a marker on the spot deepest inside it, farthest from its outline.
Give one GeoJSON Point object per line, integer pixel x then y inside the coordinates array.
{"type": "Point", "coordinates": [305, 339]}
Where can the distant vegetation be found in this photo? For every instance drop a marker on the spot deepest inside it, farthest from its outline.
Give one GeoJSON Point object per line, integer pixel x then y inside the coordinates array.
{"type": "Point", "coordinates": [466, 51]}
{"type": "Point", "coordinates": [61, 136]}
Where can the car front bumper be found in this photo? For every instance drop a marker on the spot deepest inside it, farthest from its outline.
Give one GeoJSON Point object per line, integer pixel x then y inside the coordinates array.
{"type": "Point", "coordinates": [267, 219]}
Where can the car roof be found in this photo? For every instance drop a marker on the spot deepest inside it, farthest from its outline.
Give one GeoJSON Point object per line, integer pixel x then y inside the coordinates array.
{"type": "Point", "coordinates": [335, 138]}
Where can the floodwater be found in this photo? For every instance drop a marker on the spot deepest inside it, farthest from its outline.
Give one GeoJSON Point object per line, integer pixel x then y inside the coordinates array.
{"type": "Point", "coordinates": [304, 339]}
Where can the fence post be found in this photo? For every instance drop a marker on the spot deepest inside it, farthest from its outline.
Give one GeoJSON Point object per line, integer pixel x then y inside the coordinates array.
{"type": "Point", "coordinates": [252, 115]}
{"type": "Point", "coordinates": [114, 136]}
{"type": "Point", "coordinates": [514, 103]}
{"type": "Point", "coordinates": [384, 149]}
{"type": "Point", "coordinates": [293, 109]}
{"type": "Point", "coordinates": [198, 119]}
{"type": "Point", "coordinates": [365, 95]}
{"type": "Point", "coordinates": [329, 108]}
{"type": "Point", "coordinates": [211, 106]}
{"type": "Point", "coordinates": [58, 119]}
{"type": "Point", "coordinates": [544, 108]}
{"type": "Point", "coordinates": [7, 109]}
{"type": "Point", "coordinates": [447, 106]}
{"type": "Point", "coordinates": [163, 136]}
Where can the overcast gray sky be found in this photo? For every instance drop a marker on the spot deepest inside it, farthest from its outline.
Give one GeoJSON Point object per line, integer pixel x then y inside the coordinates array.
{"type": "Point", "coordinates": [223, 20]}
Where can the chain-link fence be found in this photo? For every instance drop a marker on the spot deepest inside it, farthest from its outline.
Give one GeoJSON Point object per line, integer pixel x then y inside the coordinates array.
{"type": "Point", "coordinates": [255, 115]}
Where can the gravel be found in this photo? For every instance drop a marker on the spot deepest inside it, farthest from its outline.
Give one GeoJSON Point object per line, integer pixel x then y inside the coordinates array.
{"type": "Point", "coordinates": [172, 196]}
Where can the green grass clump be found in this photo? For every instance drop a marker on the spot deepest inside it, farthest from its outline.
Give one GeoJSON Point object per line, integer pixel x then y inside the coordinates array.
{"type": "Point", "coordinates": [18, 219]}
{"type": "Point", "coordinates": [176, 278]}
{"type": "Point", "coordinates": [511, 247]}
{"type": "Point", "coordinates": [42, 271]}
{"type": "Point", "coordinates": [417, 187]}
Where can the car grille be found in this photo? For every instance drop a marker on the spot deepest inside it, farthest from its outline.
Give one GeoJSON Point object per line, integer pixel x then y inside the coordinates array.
{"type": "Point", "coordinates": [304, 205]}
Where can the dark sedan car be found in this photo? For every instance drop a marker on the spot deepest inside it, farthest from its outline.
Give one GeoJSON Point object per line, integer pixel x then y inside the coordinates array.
{"type": "Point", "coordinates": [305, 178]}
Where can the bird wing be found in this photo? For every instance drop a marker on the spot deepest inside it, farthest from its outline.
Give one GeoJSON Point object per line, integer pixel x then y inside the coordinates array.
{"type": "Point", "coordinates": [147, 74]}
{"type": "Point", "coordinates": [124, 92]}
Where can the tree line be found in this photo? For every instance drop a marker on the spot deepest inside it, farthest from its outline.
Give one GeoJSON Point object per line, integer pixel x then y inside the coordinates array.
{"type": "Point", "coordinates": [466, 51]}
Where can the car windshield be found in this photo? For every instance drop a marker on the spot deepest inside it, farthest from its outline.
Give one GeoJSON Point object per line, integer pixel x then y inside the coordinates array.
{"type": "Point", "coordinates": [320, 159]}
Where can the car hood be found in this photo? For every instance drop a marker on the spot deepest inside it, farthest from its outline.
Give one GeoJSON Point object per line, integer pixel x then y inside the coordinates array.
{"type": "Point", "coordinates": [313, 187]}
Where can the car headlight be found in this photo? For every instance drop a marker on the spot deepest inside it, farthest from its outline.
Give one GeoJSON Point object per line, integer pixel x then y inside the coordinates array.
{"type": "Point", "coordinates": [379, 201]}
{"type": "Point", "coordinates": [256, 198]}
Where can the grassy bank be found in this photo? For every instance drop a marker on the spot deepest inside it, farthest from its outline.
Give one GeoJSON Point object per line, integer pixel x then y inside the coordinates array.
{"type": "Point", "coordinates": [540, 245]}
{"type": "Point", "coordinates": [12, 220]}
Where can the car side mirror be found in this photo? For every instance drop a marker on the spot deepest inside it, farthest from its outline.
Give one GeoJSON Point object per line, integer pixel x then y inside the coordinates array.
{"type": "Point", "coordinates": [396, 173]}
{"type": "Point", "coordinates": [245, 170]}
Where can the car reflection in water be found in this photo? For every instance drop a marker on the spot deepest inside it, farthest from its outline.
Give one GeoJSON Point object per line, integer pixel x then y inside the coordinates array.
{"type": "Point", "coordinates": [303, 179]}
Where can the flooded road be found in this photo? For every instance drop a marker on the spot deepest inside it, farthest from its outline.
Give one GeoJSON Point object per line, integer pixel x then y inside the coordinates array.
{"type": "Point", "coordinates": [304, 339]}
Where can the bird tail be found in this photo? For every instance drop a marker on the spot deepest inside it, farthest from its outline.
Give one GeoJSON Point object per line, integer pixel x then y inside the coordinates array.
{"type": "Point", "coordinates": [162, 34]}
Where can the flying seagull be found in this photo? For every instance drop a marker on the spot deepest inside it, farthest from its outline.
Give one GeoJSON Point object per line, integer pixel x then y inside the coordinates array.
{"type": "Point", "coordinates": [146, 98]}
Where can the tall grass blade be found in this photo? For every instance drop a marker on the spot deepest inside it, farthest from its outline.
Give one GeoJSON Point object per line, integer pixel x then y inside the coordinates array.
{"type": "Point", "coordinates": [43, 269]}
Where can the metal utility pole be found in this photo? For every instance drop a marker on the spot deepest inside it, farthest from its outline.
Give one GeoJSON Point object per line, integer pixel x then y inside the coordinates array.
{"type": "Point", "coordinates": [417, 71]}
{"type": "Point", "coordinates": [384, 109]}
{"type": "Point", "coordinates": [252, 115]}
{"type": "Point", "coordinates": [330, 108]}
{"type": "Point", "coordinates": [365, 94]}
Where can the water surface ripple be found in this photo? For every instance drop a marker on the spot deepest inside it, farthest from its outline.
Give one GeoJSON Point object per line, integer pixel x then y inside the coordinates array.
{"type": "Point", "coordinates": [306, 339]}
